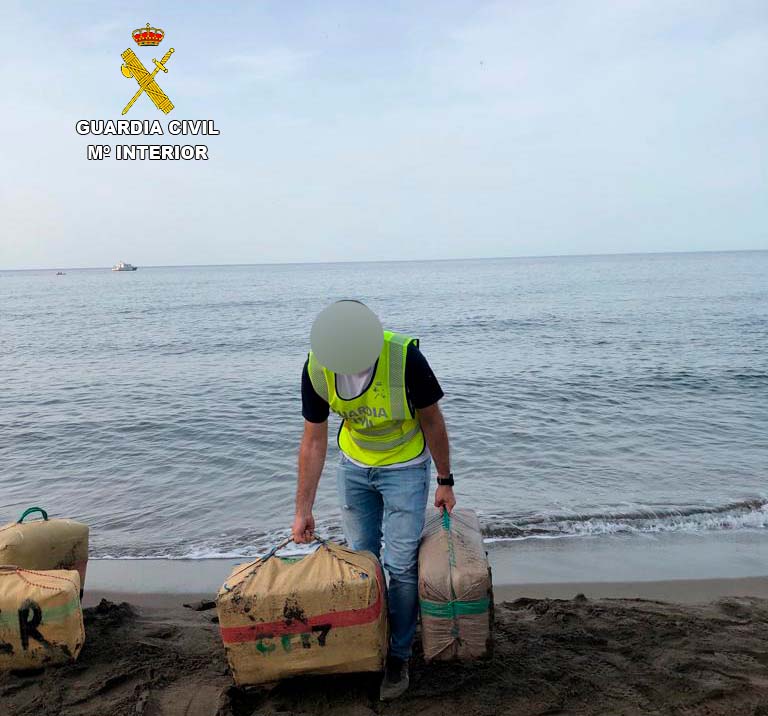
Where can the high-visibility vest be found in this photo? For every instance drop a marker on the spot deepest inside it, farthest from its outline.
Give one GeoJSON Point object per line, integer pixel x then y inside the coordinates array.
{"type": "Point", "coordinates": [378, 426]}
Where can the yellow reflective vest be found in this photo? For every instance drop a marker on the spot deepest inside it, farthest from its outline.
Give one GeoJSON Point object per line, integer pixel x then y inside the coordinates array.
{"type": "Point", "coordinates": [378, 426]}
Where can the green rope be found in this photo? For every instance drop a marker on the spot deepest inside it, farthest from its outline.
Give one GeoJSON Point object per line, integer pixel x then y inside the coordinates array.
{"type": "Point", "coordinates": [454, 608]}
{"type": "Point", "coordinates": [50, 614]}
{"type": "Point", "coordinates": [451, 564]}
{"type": "Point", "coordinates": [30, 511]}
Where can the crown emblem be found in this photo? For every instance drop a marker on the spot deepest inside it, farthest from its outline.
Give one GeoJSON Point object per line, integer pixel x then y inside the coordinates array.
{"type": "Point", "coordinates": [152, 36]}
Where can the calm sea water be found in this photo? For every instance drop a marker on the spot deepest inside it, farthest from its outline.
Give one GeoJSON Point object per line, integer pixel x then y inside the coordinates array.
{"type": "Point", "coordinates": [584, 396]}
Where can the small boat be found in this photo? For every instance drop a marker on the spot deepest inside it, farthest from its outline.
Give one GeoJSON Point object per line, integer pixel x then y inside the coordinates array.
{"type": "Point", "coordinates": [60, 273]}
{"type": "Point", "coordinates": [122, 266]}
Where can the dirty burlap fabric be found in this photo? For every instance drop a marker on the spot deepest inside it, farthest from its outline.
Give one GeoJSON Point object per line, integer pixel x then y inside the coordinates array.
{"type": "Point", "coordinates": [45, 544]}
{"type": "Point", "coordinates": [454, 587]}
{"type": "Point", "coordinates": [41, 621]}
{"type": "Point", "coordinates": [318, 614]}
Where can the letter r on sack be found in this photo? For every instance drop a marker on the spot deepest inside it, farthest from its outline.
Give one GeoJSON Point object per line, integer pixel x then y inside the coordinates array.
{"type": "Point", "coordinates": [28, 626]}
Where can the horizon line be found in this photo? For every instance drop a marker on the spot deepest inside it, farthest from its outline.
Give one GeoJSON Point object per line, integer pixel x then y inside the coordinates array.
{"type": "Point", "coordinates": [376, 261]}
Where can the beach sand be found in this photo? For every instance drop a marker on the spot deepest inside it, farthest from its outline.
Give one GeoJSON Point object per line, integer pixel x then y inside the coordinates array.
{"type": "Point", "coordinates": [704, 653]}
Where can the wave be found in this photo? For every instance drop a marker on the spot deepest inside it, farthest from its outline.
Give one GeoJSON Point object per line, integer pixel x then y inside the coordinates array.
{"type": "Point", "coordinates": [747, 515]}
{"type": "Point", "coordinates": [204, 552]}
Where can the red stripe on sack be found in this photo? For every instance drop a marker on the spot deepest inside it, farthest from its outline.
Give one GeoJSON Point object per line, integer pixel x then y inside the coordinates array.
{"type": "Point", "coordinates": [351, 617]}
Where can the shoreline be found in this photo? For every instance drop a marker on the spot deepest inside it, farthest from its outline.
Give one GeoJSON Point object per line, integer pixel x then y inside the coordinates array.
{"type": "Point", "coordinates": [604, 567]}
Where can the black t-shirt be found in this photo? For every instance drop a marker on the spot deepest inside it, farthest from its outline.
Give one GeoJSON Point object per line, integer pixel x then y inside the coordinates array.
{"type": "Point", "coordinates": [421, 387]}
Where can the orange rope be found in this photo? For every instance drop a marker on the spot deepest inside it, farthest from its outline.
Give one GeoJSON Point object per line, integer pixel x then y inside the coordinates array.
{"type": "Point", "coordinates": [19, 571]}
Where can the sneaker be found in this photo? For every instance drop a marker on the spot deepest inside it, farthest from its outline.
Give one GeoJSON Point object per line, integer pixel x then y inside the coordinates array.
{"type": "Point", "coordinates": [396, 679]}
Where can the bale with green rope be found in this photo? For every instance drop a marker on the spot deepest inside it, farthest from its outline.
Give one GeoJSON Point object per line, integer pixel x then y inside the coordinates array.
{"type": "Point", "coordinates": [455, 592]}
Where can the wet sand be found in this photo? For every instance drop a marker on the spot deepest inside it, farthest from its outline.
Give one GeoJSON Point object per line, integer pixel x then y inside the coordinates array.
{"type": "Point", "coordinates": [703, 654]}
{"type": "Point", "coordinates": [619, 560]}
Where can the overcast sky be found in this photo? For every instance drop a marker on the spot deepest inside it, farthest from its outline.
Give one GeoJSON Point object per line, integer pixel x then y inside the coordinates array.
{"type": "Point", "coordinates": [389, 130]}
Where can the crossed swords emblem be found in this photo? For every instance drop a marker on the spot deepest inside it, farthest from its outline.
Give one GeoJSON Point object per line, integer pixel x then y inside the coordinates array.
{"type": "Point", "coordinates": [133, 67]}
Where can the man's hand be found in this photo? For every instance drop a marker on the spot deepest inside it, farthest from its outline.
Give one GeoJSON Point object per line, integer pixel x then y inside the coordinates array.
{"type": "Point", "coordinates": [444, 498]}
{"type": "Point", "coordinates": [303, 527]}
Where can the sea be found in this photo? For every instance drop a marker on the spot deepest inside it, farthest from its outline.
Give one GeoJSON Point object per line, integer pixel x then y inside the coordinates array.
{"type": "Point", "coordinates": [586, 398]}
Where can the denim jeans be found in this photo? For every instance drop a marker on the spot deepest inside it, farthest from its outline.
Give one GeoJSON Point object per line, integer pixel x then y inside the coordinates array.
{"type": "Point", "coordinates": [390, 502]}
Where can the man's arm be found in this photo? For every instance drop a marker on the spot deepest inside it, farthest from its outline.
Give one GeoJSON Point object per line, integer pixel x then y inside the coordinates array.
{"type": "Point", "coordinates": [436, 435]}
{"type": "Point", "coordinates": [314, 444]}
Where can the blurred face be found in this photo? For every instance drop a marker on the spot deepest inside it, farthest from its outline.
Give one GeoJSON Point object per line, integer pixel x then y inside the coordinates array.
{"type": "Point", "coordinates": [347, 337]}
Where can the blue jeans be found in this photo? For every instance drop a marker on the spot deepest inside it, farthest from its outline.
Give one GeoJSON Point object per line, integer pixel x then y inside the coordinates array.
{"type": "Point", "coordinates": [396, 497]}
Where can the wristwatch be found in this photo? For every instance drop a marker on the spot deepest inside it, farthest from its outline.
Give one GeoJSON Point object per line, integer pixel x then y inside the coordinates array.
{"type": "Point", "coordinates": [448, 481]}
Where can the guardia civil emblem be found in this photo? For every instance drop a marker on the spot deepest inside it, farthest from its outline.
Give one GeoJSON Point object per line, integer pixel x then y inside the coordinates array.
{"type": "Point", "coordinates": [132, 67]}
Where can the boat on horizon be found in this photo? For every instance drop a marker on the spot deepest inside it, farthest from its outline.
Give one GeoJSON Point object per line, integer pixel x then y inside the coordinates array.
{"type": "Point", "coordinates": [122, 266]}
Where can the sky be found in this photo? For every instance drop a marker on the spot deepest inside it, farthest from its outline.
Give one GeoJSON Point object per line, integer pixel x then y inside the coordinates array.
{"type": "Point", "coordinates": [388, 130]}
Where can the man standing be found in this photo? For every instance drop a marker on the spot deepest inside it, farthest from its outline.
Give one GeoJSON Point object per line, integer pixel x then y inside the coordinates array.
{"type": "Point", "coordinates": [386, 394]}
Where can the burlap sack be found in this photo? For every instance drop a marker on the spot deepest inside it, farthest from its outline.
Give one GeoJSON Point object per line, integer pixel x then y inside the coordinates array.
{"type": "Point", "coordinates": [45, 544]}
{"type": "Point", "coordinates": [41, 621]}
{"type": "Point", "coordinates": [455, 594]}
{"type": "Point", "coordinates": [319, 614]}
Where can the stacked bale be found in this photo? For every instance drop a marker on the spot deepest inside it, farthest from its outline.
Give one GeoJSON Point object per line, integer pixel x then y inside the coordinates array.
{"type": "Point", "coordinates": [41, 620]}
{"type": "Point", "coordinates": [45, 544]}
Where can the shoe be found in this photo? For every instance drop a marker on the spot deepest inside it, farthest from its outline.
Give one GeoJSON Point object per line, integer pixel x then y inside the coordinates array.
{"type": "Point", "coordinates": [396, 679]}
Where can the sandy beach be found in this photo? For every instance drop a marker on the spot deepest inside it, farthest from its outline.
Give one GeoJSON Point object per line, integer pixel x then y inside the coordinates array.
{"type": "Point", "coordinates": [673, 647]}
